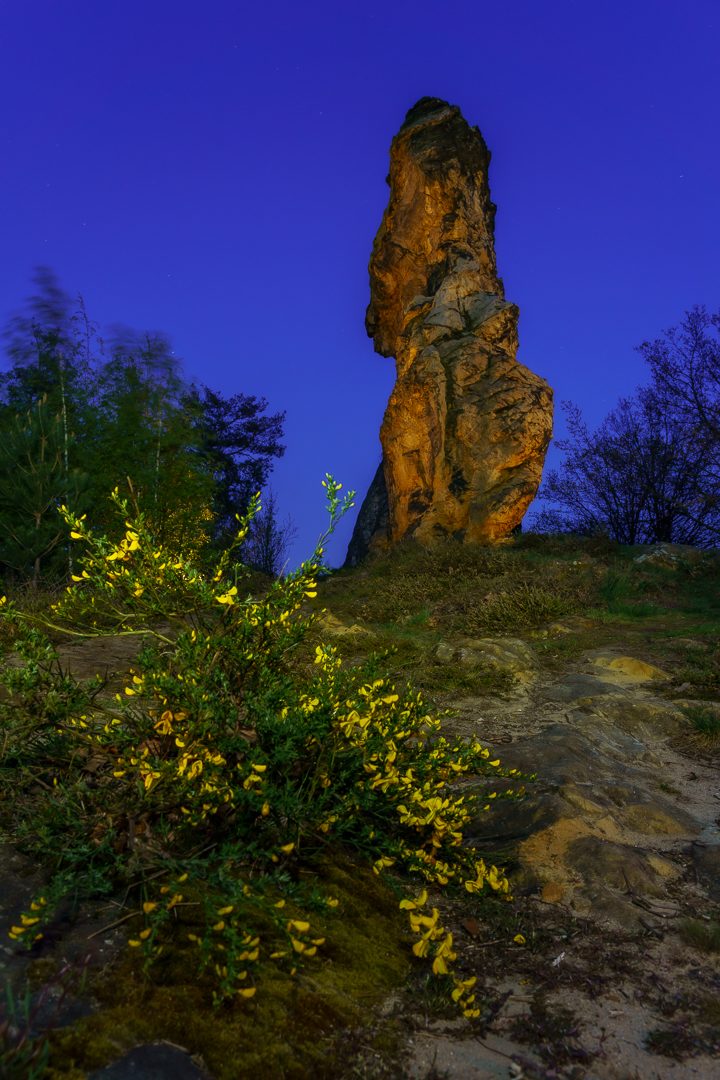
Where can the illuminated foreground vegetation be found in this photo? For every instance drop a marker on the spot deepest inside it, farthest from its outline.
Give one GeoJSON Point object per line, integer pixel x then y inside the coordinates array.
{"type": "Point", "coordinates": [235, 762]}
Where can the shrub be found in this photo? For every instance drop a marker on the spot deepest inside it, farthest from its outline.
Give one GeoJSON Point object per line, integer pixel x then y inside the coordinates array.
{"type": "Point", "coordinates": [225, 760]}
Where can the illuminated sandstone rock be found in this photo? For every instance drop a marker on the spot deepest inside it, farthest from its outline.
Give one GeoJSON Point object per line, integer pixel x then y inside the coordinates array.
{"type": "Point", "coordinates": [467, 427]}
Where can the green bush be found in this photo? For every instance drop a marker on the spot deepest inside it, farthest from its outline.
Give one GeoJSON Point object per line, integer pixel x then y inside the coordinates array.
{"type": "Point", "coordinates": [225, 760]}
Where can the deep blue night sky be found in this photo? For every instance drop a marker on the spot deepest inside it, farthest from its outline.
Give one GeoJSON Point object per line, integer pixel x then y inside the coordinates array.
{"type": "Point", "coordinates": [216, 170]}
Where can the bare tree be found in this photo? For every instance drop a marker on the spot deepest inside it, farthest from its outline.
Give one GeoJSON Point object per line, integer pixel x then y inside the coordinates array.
{"type": "Point", "coordinates": [641, 477]}
{"type": "Point", "coordinates": [268, 541]}
{"type": "Point", "coordinates": [685, 366]}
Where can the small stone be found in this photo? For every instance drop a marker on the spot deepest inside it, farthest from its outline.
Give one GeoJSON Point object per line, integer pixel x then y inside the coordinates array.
{"type": "Point", "coordinates": [552, 893]}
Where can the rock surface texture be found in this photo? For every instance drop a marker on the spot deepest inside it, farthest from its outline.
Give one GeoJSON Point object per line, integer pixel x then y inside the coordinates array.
{"type": "Point", "coordinates": [467, 427]}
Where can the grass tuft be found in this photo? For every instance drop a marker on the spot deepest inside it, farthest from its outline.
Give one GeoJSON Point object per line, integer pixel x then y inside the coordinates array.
{"type": "Point", "coordinates": [701, 935]}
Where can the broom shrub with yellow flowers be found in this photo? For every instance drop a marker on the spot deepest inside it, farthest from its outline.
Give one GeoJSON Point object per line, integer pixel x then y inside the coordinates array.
{"type": "Point", "coordinates": [227, 759]}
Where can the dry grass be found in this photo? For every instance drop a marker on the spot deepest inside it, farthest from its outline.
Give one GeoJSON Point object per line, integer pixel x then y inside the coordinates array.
{"type": "Point", "coordinates": [462, 588]}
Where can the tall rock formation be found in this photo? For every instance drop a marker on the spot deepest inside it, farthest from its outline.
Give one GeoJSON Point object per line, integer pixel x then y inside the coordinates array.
{"type": "Point", "coordinates": [467, 427]}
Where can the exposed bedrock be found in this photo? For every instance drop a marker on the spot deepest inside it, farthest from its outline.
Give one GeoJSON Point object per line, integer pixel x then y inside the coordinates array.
{"type": "Point", "coordinates": [467, 427]}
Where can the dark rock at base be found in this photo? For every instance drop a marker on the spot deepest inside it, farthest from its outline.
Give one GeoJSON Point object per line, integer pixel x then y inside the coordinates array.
{"type": "Point", "coordinates": [505, 822]}
{"type": "Point", "coordinates": [579, 685]}
{"type": "Point", "coordinates": [154, 1061]}
{"type": "Point", "coordinates": [616, 865]}
{"type": "Point", "coordinates": [372, 519]}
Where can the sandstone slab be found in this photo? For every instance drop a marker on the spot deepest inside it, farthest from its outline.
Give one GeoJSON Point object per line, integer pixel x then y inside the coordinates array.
{"type": "Point", "coordinates": [627, 666]}
{"type": "Point", "coordinates": [643, 718]}
{"type": "Point", "coordinates": [598, 808]}
{"type": "Point", "coordinates": [579, 685]}
{"type": "Point", "coordinates": [503, 654]}
{"type": "Point", "coordinates": [330, 626]}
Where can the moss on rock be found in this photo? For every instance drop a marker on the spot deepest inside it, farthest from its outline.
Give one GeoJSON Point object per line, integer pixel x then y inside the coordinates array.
{"type": "Point", "coordinates": [286, 1030]}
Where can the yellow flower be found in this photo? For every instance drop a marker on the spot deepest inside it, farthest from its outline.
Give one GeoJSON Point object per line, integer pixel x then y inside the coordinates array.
{"type": "Point", "coordinates": [419, 902]}
{"type": "Point", "coordinates": [149, 906]}
{"type": "Point", "coordinates": [298, 946]}
{"type": "Point", "coordinates": [134, 943]}
{"type": "Point", "coordinates": [145, 933]}
{"type": "Point", "coordinates": [220, 925]}
{"type": "Point", "coordinates": [287, 848]}
{"type": "Point", "coordinates": [301, 927]}
{"type": "Point", "coordinates": [519, 939]}
{"type": "Point", "coordinates": [248, 993]}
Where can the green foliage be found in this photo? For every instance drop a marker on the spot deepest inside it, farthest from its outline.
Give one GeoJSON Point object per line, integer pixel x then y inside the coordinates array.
{"type": "Point", "coordinates": [34, 479]}
{"type": "Point", "coordinates": [118, 410]}
{"type": "Point", "coordinates": [237, 443]}
{"type": "Point", "coordinates": [226, 758]}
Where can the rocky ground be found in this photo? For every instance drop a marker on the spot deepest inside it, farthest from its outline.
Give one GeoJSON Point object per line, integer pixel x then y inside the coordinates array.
{"type": "Point", "coordinates": [614, 858]}
{"type": "Point", "coordinates": [616, 845]}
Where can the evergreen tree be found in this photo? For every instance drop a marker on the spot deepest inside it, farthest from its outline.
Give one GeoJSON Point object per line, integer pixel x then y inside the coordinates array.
{"type": "Point", "coordinates": [126, 413]}
{"type": "Point", "coordinates": [238, 444]}
{"type": "Point", "coordinates": [34, 483]}
{"type": "Point", "coordinates": [145, 430]}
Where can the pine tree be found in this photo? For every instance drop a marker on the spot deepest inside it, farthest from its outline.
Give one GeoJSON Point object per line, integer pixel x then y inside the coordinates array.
{"type": "Point", "coordinates": [34, 483]}
{"type": "Point", "coordinates": [237, 444]}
